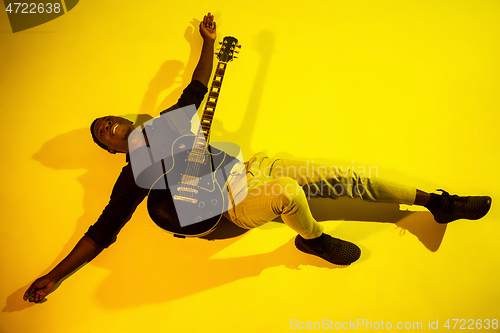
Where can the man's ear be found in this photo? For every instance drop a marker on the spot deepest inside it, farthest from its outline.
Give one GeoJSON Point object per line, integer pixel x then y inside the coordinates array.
{"type": "Point", "coordinates": [111, 151]}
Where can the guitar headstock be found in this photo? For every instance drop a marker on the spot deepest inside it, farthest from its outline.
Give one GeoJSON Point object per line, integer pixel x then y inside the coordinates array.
{"type": "Point", "coordinates": [229, 46]}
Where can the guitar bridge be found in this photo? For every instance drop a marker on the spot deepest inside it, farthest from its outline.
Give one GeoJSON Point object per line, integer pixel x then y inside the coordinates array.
{"type": "Point", "coordinates": [178, 197]}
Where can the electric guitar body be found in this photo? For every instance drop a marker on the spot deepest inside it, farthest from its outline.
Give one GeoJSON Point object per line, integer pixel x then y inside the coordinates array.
{"type": "Point", "coordinates": [195, 196]}
{"type": "Point", "coordinates": [191, 206]}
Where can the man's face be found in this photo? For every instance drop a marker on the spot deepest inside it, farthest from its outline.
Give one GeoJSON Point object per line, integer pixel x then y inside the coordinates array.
{"type": "Point", "coordinates": [113, 132]}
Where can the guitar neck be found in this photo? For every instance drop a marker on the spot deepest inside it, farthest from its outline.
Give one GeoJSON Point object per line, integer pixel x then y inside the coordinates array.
{"type": "Point", "coordinates": [208, 114]}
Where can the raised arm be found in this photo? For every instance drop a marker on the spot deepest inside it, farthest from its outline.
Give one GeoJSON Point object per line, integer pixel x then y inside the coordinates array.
{"type": "Point", "coordinates": [203, 70]}
{"type": "Point", "coordinates": [84, 251]}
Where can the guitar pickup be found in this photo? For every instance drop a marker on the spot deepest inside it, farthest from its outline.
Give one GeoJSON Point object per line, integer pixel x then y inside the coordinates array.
{"type": "Point", "coordinates": [191, 200]}
{"type": "Point", "coordinates": [187, 189]}
{"type": "Point", "coordinates": [190, 180]}
{"type": "Point", "coordinates": [198, 158]}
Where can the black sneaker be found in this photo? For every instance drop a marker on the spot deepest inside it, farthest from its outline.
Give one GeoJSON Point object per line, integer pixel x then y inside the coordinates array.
{"type": "Point", "coordinates": [331, 249]}
{"type": "Point", "coordinates": [453, 207]}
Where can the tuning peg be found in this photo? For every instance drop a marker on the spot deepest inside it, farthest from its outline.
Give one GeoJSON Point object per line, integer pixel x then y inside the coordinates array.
{"type": "Point", "coordinates": [220, 43]}
{"type": "Point", "coordinates": [235, 57]}
{"type": "Point", "coordinates": [236, 51]}
{"type": "Point", "coordinates": [238, 46]}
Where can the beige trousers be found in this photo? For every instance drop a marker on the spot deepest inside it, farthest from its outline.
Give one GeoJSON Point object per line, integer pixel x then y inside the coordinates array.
{"type": "Point", "coordinates": [282, 187]}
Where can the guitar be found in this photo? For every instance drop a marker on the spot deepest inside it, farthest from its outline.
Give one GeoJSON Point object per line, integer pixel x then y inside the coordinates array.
{"type": "Point", "coordinates": [196, 196]}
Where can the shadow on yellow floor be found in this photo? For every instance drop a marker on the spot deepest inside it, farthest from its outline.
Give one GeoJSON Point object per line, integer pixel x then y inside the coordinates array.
{"type": "Point", "coordinates": [421, 224]}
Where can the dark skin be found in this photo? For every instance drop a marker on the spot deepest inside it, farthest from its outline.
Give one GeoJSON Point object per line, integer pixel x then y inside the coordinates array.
{"type": "Point", "coordinates": [113, 132]}
{"type": "Point", "coordinates": [422, 198]}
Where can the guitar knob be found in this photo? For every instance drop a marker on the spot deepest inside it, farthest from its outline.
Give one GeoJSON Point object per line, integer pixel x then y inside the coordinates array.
{"type": "Point", "coordinates": [201, 204]}
{"type": "Point", "coordinates": [214, 202]}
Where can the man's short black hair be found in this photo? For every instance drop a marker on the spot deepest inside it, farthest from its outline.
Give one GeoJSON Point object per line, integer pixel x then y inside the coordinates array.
{"type": "Point", "coordinates": [100, 144]}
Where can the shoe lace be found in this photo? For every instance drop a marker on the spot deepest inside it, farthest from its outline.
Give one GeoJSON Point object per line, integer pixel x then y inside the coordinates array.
{"type": "Point", "coordinates": [447, 201]}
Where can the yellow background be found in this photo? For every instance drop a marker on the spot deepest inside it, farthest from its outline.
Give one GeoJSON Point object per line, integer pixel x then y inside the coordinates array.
{"type": "Point", "coordinates": [410, 87]}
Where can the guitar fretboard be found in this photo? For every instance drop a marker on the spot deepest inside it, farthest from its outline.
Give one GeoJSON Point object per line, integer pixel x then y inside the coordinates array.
{"type": "Point", "coordinates": [203, 134]}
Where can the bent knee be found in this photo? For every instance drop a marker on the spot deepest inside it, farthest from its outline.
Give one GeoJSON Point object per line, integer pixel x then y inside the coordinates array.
{"type": "Point", "coordinates": [286, 194]}
{"type": "Point", "coordinates": [285, 187]}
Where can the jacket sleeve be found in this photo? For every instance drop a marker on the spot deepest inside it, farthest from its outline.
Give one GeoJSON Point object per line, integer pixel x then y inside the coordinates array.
{"type": "Point", "coordinates": [125, 198]}
{"type": "Point", "coordinates": [192, 94]}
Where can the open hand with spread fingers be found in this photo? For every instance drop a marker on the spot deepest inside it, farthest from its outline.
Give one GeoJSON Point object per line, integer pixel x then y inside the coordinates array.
{"type": "Point", "coordinates": [208, 28]}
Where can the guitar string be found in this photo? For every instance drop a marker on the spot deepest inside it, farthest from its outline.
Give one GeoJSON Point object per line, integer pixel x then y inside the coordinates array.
{"type": "Point", "coordinates": [207, 115]}
{"type": "Point", "coordinates": [195, 165]}
{"type": "Point", "coordinates": [201, 154]}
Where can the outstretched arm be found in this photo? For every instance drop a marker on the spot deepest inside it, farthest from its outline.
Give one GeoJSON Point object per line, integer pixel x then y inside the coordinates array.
{"type": "Point", "coordinates": [83, 252]}
{"type": "Point", "coordinates": [203, 70]}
